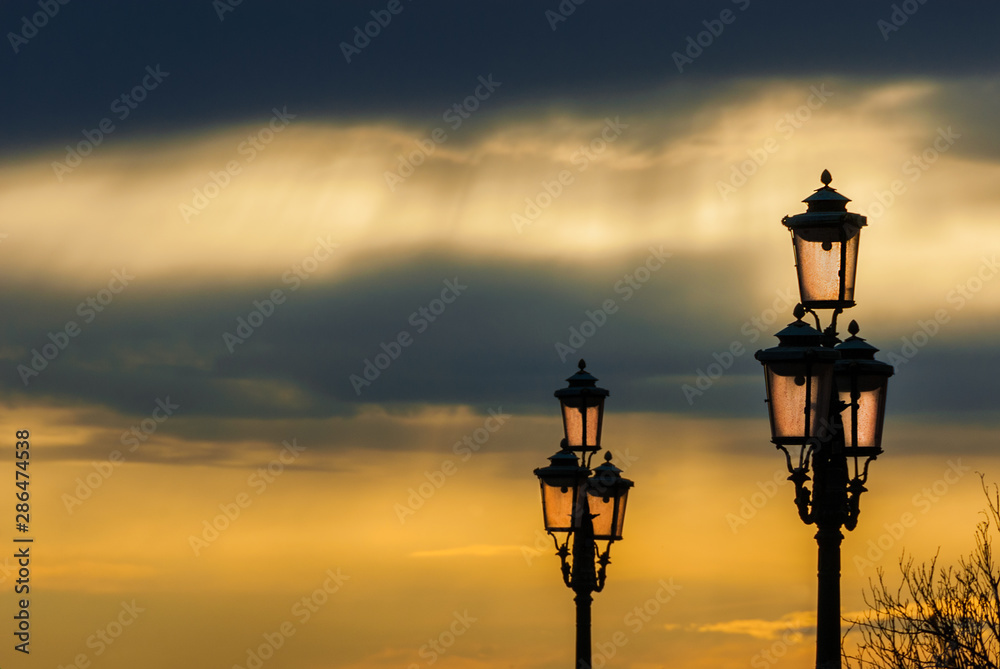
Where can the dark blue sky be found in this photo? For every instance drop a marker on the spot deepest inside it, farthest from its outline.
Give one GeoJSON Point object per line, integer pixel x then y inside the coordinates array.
{"type": "Point", "coordinates": [64, 78]}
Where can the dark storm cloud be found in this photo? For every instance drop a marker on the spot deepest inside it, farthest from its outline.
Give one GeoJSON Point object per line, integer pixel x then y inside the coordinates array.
{"type": "Point", "coordinates": [66, 76]}
{"type": "Point", "coordinates": [496, 339]}
{"type": "Point", "coordinates": [493, 344]}
{"type": "Point", "coordinates": [972, 108]}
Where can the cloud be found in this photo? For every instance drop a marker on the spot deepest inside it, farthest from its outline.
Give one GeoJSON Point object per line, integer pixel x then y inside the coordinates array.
{"type": "Point", "coordinates": [517, 43]}
{"type": "Point", "coordinates": [535, 300]}
{"type": "Point", "coordinates": [796, 623]}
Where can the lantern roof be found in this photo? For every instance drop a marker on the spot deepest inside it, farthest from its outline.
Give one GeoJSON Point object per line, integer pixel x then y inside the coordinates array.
{"type": "Point", "coordinates": [564, 470]}
{"type": "Point", "coordinates": [855, 347]}
{"type": "Point", "coordinates": [856, 350]}
{"type": "Point", "coordinates": [582, 383]}
{"type": "Point", "coordinates": [825, 208]}
{"type": "Point", "coordinates": [607, 477]}
{"type": "Point", "coordinates": [799, 333]}
{"type": "Point", "coordinates": [797, 341]}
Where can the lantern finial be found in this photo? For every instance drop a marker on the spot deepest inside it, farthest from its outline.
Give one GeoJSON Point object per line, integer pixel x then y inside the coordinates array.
{"type": "Point", "coordinates": [607, 456]}
{"type": "Point", "coordinates": [799, 311]}
{"type": "Point", "coordinates": [853, 328]}
{"type": "Point", "coordinates": [581, 364]}
{"type": "Point", "coordinates": [826, 178]}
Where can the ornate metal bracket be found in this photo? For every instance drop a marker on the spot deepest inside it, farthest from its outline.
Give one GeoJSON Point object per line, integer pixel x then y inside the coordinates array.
{"type": "Point", "coordinates": [854, 490]}
{"type": "Point", "coordinates": [595, 579]}
{"type": "Point", "coordinates": [603, 560]}
{"type": "Point", "coordinates": [803, 496]}
{"type": "Point", "coordinates": [563, 552]}
{"type": "Point", "coordinates": [830, 332]}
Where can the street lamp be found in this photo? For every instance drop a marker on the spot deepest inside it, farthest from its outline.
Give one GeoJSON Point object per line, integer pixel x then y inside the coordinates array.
{"type": "Point", "coordinates": [581, 504]}
{"type": "Point", "coordinates": [825, 239]}
{"type": "Point", "coordinates": [826, 398]}
{"type": "Point", "coordinates": [582, 411]}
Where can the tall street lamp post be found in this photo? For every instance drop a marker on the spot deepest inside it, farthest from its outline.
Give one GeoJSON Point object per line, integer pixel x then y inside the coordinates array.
{"type": "Point", "coordinates": [583, 504]}
{"type": "Point", "coordinates": [825, 397]}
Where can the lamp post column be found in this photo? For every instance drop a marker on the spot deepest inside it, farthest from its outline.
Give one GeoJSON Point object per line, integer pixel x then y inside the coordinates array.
{"type": "Point", "coordinates": [584, 581]}
{"type": "Point", "coordinates": [828, 598]}
{"type": "Point", "coordinates": [829, 505]}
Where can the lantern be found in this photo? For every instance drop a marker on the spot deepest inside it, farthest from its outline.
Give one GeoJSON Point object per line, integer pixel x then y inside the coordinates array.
{"type": "Point", "coordinates": [861, 382]}
{"type": "Point", "coordinates": [825, 239]}
{"type": "Point", "coordinates": [607, 494]}
{"type": "Point", "coordinates": [798, 374]}
{"type": "Point", "coordinates": [583, 411]}
{"type": "Point", "coordinates": [561, 482]}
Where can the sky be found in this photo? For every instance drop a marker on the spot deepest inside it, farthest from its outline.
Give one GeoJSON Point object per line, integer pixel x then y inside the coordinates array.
{"type": "Point", "coordinates": [286, 302]}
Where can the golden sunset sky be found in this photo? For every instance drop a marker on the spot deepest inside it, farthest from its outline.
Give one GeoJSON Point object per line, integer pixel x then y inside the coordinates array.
{"type": "Point", "coordinates": [286, 339]}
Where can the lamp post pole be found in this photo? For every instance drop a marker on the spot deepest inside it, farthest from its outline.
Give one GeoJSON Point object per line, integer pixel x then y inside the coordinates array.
{"type": "Point", "coordinates": [829, 486]}
{"type": "Point", "coordinates": [584, 579]}
{"type": "Point", "coordinates": [825, 397]}
{"type": "Point", "coordinates": [587, 505]}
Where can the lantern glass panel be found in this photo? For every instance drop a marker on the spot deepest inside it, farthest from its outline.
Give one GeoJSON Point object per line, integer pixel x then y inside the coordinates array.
{"type": "Point", "coordinates": [871, 389]}
{"type": "Point", "coordinates": [818, 257]}
{"type": "Point", "coordinates": [558, 504]}
{"type": "Point", "coordinates": [610, 519]}
{"type": "Point", "coordinates": [787, 386]}
{"type": "Point", "coordinates": [583, 422]}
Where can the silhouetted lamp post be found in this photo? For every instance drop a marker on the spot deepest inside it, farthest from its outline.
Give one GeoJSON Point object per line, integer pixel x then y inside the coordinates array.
{"type": "Point", "coordinates": [826, 398]}
{"type": "Point", "coordinates": [583, 504]}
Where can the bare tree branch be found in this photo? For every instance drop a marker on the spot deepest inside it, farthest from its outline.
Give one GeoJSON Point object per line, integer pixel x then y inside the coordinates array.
{"type": "Point", "coordinates": [936, 617]}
